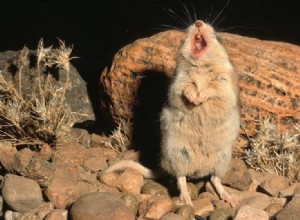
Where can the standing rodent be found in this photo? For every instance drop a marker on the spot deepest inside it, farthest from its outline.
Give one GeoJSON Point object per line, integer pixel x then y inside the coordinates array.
{"type": "Point", "coordinates": [200, 120]}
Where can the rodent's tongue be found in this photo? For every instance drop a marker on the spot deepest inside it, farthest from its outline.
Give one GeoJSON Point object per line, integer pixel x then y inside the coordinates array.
{"type": "Point", "coordinates": [198, 45]}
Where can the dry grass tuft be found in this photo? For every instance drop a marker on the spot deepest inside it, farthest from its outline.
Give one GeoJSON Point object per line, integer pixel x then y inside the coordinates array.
{"type": "Point", "coordinates": [44, 117]}
{"type": "Point", "coordinates": [273, 152]}
{"type": "Point", "coordinates": [121, 137]}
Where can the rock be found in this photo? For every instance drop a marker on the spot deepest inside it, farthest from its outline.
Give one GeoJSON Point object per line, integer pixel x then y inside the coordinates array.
{"type": "Point", "coordinates": [84, 188]}
{"type": "Point", "coordinates": [260, 201]}
{"type": "Point", "coordinates": [177, 203]}
{"type": "Point", "coordinates": [273, 209]}
{"type": "Point", "coordinates": [45, 152]}
{"type": "Point", "coordinates": [143, 197]}
{"type": "Point", "coordinates": [100, 206]}
{"type": "Point", "coordinates": [291, 211]}
{"type": "Point", "coordinates": [128, 180]}
{"type": "Point", "coordinates": [1, 205]}
{"type": "Point", "coordinates": [76, 97]}
{"type": "Point", "coordinates": [154, 189]}
{"type": "Point", "coordinates": [171, 216]}
{"type": "Point", "coordinates": [21, 194]}
{"type": "Point", "coordinates": [131, 155]}
{"type": "Point", "coordinates": [254, 199]}
{"type": "Point", "coordinates": [237, 176]}
{"type": "Point", "coordinates": [7, 155]}
{"type": "Point", "coordinates": [96, 163]}
{"type": "Point", "coordinates": [221, 204]}
{"type": "Point", "coordinates": [186, 212]}
{"type": "Point", "coordinates": [10, 215]}
{"type": "Point", "coordinates": [264, 92]}
{"type": "Point", "coordinates": [155, 208]}
{"type": "Point", "coordinates": [112, 161]}
{"type": "Point", "coordinates": [203, 206]}
{"type": "Point", "coordinates": [61, 191]}
{"type": "Point", "coordinates": [290, 191]}
{"type": "Point", "coordinates": [86, 176]}
{"type": "Point", "coordinates": [259, 177]}
{"type": "Point", "coordinates": [98, 140]}
{"type": "Point", "coordinates": [131, 202]}
{"type": "Point", "coordinates": [29, 164]}
{"type": "Point", "coordinates": [45, 209]}
{"type": "Point", "coordinates": [272, 186]}
{"type": "Point", "coordinates": [280, 201]}
{"type": "Point", "coordinates": [221, 214]}
{"type": "Point", "coordinates": [82, 136]}
{"type": "Point", "coordinates": [75, 154]}
{"type": "Point", "coordinates": [57, 214]}
{"type": "Point", "coordinates": [211, 196]}
{"type": "Point", "coordinates": [22, 160]}
{"type": "Point", "coordinates": [40, 170]}
{"type": "Point", "coordinates": [246, 212]}
{"type": "Point", "coordinates": [27, 216]}
{"type": "Point", "coordinates": [192, 190]}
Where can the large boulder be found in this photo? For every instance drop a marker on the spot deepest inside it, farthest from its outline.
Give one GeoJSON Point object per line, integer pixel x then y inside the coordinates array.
{"type": "Point", "coordinates": [138, 78]}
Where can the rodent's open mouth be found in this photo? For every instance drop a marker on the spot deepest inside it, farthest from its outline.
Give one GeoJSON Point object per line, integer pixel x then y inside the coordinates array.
{"type": "Point", "coordinates": [198, 45]}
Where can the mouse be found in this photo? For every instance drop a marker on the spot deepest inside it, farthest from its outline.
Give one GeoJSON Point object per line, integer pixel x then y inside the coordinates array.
{"type": "Point", "coordinates": [201, 118]}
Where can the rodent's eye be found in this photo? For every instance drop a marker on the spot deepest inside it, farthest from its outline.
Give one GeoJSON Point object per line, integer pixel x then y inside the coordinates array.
{"type": "Point", "coordinates": [221, 79]}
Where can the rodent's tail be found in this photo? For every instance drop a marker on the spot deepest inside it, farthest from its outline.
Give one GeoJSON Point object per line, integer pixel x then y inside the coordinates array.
{"type": "Point", "coordinates": [147, 173]}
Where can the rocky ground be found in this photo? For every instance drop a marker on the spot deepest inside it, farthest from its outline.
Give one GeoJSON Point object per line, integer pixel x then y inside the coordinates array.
{"type": "Point", "coordinates": [66, 183]}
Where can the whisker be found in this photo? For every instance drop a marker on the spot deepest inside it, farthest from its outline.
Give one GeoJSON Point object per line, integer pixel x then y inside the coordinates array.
{"type": "Point", "coordinates": [240, 27]}
{"type": "Point", "coordinates": [173, 15]}
{"type": "Point", "coordinates": [220, 21]}
{"type": "Point", "coordinates": [186, 12]}
{"type": "Point", "coordinates": [219, 14]}
{"type": "Point", "coordinates": [183, 20]}
{"type": "Point", "coordinates": [171, 27]}
{"type": "Point", "coordinates": [194, 12]}
{"type": "Point", "coordinates": [209, 17]}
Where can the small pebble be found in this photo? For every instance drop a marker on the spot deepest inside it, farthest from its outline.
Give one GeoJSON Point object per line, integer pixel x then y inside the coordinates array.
{"type": "Point", "coordinates": [10, 215]}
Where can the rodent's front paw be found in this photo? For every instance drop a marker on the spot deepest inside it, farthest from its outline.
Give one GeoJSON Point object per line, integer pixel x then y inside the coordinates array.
{"type": "Point", "coordinates": [191, 95]}
{"type": "Point", "coordinates": [198, 99]}
{"type": "Point", "coordinates": [195, 98]}
{"type": "Point", "coordinates": [202, 97]}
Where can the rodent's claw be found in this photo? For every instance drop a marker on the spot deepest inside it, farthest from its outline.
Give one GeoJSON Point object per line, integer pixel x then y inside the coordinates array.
{"type": "Point", "coordinates": [195, 98]}
{"type": "Point", "coordinates": [190, 95]}
{"type": "Point", "coordinates": [202, 97]}
{"type": "Point", "coordinates": [224, 195]}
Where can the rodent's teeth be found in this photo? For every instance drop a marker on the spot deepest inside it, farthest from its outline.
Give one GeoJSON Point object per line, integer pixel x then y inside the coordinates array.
{"type": "Point", "coordinates": [198, 36]}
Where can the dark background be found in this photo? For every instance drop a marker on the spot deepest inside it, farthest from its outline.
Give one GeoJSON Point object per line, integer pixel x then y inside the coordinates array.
{"type": "Point", "coordinates": [97, 29]}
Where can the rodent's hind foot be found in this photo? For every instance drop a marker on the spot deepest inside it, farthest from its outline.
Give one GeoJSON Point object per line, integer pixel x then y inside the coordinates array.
{"type": "Point", "coordinates": [184, 194]}
{"type": "Point", "coordinates": [224, 195]}
{"type": "Point", "coordinates": [185, 199]}
{"type": "Point", "coordinates": [228, 198]}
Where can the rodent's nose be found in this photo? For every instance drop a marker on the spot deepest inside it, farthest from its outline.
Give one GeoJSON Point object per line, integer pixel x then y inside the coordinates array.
{"type": "Point", "coordinates": [198, 23]}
